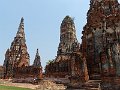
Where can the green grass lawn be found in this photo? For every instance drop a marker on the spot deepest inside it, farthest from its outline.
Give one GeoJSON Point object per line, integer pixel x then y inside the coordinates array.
{"type": "Point", "coordinates": [12, 88]}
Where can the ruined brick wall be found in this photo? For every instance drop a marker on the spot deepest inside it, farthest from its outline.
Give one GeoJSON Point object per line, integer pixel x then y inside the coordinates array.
{"type": "Point", "coordinates": [102, 28]}
{"type": "Point", "coordinates": [2, 70]}
{"type": "Point", "coordinates": [28, 71]}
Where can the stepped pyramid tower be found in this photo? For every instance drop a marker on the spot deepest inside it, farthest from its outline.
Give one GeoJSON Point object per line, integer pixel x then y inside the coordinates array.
{"type": "Point", "coordinates": [101, 38]}
{"type": "Point", "coordinates": [37, 62]}
{"type": "Point", "coordinates": [69, 61]}
{"type": "Point", "coordinates": [17, 55]}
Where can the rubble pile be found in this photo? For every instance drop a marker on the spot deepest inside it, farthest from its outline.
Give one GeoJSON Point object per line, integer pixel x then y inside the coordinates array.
{"type": "Point", "coordinates": [50, 85]}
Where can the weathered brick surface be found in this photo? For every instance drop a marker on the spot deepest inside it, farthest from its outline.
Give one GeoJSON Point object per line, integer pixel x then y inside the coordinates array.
{"type": "Point", "coordinates": [2, 72]}
{"type": "Point", "coordinates": [69, 62]}
{"type": "Point", "coordinates": [101, 38]}
{"type": "Point", "coordinates": [17, 63]}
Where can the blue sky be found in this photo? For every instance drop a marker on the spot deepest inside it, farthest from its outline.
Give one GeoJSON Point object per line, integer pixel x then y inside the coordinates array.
{"type": "Point", "coordinates": [42, 20]}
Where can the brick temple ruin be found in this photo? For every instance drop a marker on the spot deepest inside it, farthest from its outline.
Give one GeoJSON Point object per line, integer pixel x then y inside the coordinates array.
{"type": "Point", "coordinates": [69, 62]}
{"type": "Point", "coordinates": [100, 47]}
{"type": "Point", "coordinates": [17, 60]}
{"type": "Point", "coordinates": [96, 58]}
{"type": "Point", "coordinates": [101, 40]}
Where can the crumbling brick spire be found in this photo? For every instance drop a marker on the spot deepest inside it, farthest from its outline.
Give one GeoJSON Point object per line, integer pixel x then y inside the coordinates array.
{"type": "Point", "coordinates": [19, 47]}
{"type": "Point", "coordinates": [68, 30]}
{"type": "Point", "coordinates": [37, 61]}
{"type": "Point", "coordinates": [69, 61]}
{"type": "Point", "coordinates": [68, 41]}
{"type": "Point", "coordinates": [17, 55]}
{"type": "Point", "coordinates": [20, 32]}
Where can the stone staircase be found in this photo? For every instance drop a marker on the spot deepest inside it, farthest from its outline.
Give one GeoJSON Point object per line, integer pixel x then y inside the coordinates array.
{"type": "Point", "coordinates": [95, 76]}
{"type": "Point", "coordinates": [92, 85]}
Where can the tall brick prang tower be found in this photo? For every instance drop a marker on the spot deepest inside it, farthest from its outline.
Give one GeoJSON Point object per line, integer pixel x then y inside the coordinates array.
{"type": "Point", "coordinates": [17, 55]}
{"type": "Point", "coordinates": [68, 41]}
{"type": "Point", "coordinates": [69, 61]}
